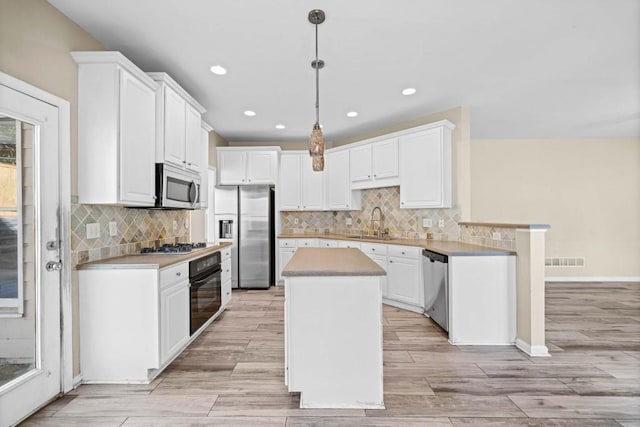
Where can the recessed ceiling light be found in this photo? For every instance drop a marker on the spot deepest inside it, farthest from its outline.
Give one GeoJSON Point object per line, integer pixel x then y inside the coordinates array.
{"type": "Point", "coordinates": [280, 126]}
{"type": "Point", "coordinates": [249, 113]}
{"type": "Point", "coordinates": [219, 70]}
{"type": "Point", "coordinates": [409, 91]}
{"type": "Point", "coordinates": [352, 114]}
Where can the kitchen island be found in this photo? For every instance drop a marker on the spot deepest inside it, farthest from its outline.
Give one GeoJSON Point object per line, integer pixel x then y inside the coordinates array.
{"type": "Point", "coordinates": [333, 328]}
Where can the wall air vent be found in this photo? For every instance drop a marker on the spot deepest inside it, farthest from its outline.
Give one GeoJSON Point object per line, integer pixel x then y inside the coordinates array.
{"type": "Point", "coordinates": [564, 262]}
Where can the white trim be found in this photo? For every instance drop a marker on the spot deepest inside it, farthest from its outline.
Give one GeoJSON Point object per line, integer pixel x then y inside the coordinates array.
{"type": "Point", "coordinates": [532, 350]}
{"type": "Point", "coordinates": [77, 380]}
{"type": "Point", "coordinates": [403, 306]}
{"type": "Point", "coordinates": [592, 278]}
{"type": "Point", "coordinates": [64, 141]}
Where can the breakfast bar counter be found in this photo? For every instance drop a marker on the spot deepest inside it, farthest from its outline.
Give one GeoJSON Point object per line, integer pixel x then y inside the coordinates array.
{"type": "Point", "coordinates": [333, 328]}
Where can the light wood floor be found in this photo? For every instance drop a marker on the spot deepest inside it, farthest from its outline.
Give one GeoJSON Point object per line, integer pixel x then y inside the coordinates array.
{"type": "Point", "coordinates": [233, 374]}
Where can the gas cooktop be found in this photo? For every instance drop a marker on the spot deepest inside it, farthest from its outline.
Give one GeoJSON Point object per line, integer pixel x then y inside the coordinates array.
{"type": "Point", "coordinates": [178, 248]}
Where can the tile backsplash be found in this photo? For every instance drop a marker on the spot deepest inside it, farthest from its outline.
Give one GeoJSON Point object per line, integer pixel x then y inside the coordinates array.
{"type": "Point", "coordinates": [495, 237]}
{"type": "Point", "coordinates": [402, 223]}
{"type": "Point", "coordinates": [137, 228]}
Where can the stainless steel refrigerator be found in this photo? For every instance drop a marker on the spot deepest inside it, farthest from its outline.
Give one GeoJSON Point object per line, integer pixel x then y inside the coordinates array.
{"type": "Point", "coordinates": [245, 217]}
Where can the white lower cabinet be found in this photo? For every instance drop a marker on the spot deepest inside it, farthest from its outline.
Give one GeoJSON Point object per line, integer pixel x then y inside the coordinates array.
{"type": "Point", "coordinates": [174, 319]}
{"type": "Point", "coordinates": [133, 321]}
{"type": "Point", "coordinates": [404, 275]}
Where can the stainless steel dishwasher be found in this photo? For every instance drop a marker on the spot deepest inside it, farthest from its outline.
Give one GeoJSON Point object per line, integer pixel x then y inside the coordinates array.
{"type": "Point", "coordinates": [435, 270]}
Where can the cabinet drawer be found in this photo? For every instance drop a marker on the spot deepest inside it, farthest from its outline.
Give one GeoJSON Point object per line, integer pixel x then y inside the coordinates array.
{"type": "Point", "coordinates": [174, 274]}
{"type": "Point", "coordinates": [288, 243]}
{"type": "Point", "coordinates": [226, 270]}
{"type": "Point", "coordinates": [307, 243]}
{"type": "Point", "coordinates": [404, 251]}
{"type": "Point", "coordinates": [348, 244]}
{"type": "Point", "coordinates": [328, 243]}
{"type": "Point", "coordinates": [225, 253]}
{"type": "Point", "coordinates": [374, 248]}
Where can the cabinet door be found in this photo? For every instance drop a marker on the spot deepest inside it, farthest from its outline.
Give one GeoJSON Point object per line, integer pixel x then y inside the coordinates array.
{"type": "Point", "coordinates": [261, 167]}
{"type": "Point", "coordinates": [284, 257]}
{"type": "Point", "coordinates": [338, 183]}
{"type": "Point", "coordinates": [174, 128]}
{"type": "Point", "coordinates": [360, 162]}
{"type": "Point", "coordinates": [232, 167]}
{"type": "Point", "coordinates": [422, 160]}
{"type": "Point", "coordinates": [403, 283]}
{"type": "Point", "coordinates": [384, 159]}
{"type": "Point", "coordinates": [312, 196]}
{"type": "Point", "coordinates": [226, 293]}
{"type": "Point", "coordinates": [174, 319]}
{"type": "Point", "coordinates": [193, 140]}
{"type": "Point", "coordinates": [381, 260]}
{"type": "Point", "coordinates": [290, 185]}
{"type": "Point", "coordinates": [137, 141]}
{"type": "Point", "coordinates": [204, 170]}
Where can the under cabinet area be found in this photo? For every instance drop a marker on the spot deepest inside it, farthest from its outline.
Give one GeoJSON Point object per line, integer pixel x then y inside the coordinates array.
{"type": "Point", "coordinates": [116, 131]}
{"type": "Point", "coordinates": [241, 166]}
{"type": "Point", "coordinates": [178, 126]}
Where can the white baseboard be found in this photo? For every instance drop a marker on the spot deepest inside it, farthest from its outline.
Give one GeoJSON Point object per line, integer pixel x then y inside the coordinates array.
{"type": "Point", "coordinates": [77, 380]}
{"type": "Point", "coordinates": [592, 279]}
{"type": "Point", "coordinates": [532, 350]}
{"type": "Point", "coordinates": [403, 306]}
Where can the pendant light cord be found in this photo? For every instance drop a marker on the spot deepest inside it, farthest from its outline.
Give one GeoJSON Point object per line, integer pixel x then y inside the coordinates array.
{"type": "Point", "coordinates": [317, 67]}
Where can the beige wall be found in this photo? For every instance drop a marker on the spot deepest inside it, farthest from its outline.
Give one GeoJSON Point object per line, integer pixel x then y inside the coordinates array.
{"type": "Point", "coordinates": [215, 140]}
{"type": "Point", "coordinates": [587, 190]}
{"type": "Point", "coordinates": [35, 41]}
{"type": "Point", "coordinates": [284, 145]}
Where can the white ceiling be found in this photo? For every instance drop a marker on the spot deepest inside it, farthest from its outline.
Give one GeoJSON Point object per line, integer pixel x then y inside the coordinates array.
{"type": "Point", "coordinates": [526, 68]}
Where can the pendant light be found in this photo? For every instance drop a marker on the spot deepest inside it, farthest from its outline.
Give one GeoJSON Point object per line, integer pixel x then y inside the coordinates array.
{"type": "Point", "coordinates": [316, 141]}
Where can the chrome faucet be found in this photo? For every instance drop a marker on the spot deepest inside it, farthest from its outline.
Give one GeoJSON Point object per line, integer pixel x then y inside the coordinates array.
{"type": "Point", "coordinates": [380, 221]}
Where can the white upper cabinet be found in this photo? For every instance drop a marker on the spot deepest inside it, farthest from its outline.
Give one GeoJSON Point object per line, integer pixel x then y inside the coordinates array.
{"type": "Point", "coordinates": [425, 168]}
{"type": "Point", "coordinates": [240, 166]}
{"type": "Point", "coordinates": [300, 187]}
{"type": "Point", "coordinates": [339, 195]}
{"type": "Point", "coordinates": [178, 119]}
{"type": "Point", "coordinates": [116, 131]}
{"type": "Point", "coordinates": [374, 164]}
{"type": "Point", "coordinates": [204, 170]}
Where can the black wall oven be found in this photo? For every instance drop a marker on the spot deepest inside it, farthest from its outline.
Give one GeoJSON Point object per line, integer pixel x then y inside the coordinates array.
{"type": "Point", "coordinates": [205, 284]}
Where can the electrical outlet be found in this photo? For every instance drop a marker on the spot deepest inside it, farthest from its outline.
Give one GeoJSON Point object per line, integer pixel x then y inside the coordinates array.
{"type": "Point", "coordinates": [349, 221]}
{"type": "Point", "coordinates": [496, 235]}
{"type": "Point", "coordinates": [93, 230]}
{"type": "Point", "coordinates": [441, 223]}
{"type": "Point", "coordinates": [186, 224]}
{"type": "Point", "coordinates": [175, 225]}
{"type": "Point", "coordinates": [113, 229]}
{"type": "Point", "coordinates": [426, 222]}
{"type": "Point", "coordinates": [296, 221]}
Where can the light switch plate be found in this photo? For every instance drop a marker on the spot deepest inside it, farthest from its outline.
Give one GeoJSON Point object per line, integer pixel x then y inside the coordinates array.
{"type": "Point", "coordinates": [496, 235]}
{"type": "Point", "coordinates": [441, 223]}
{"type": "Point", "coordinates": [296, 221]}
{"type": "Point", "coordinates": [426, 222]}
{"type": "Point", "coordinates": [175, 225]}
{"type": "Point", "coordinates": [113, 228]}
{"type": "Point", "coordinates": [349, 221]}
{"type": "Point", "coordinates": [93, 230]}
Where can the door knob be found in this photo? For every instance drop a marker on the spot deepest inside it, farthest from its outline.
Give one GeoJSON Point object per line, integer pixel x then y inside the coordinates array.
{"type": "Point", "coordinates": [54, 266]}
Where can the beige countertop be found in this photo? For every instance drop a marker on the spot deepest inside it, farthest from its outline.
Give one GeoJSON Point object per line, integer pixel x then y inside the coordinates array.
{"type": "Point", "coordinates": [331, 262]}
{"type": "Point", "coordinates": [149, 260]}
{"type": "Point", "coordinates": [445, 247]}
{"type": "Point", "coordinates": [504, 225]}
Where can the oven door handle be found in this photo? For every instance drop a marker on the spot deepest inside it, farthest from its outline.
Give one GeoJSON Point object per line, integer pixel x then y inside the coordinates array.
{"type": "Point", "coordinates": [201, 282]}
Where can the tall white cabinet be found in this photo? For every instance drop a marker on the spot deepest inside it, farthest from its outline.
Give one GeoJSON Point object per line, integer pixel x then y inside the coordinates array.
{"type": "Point", "coordinates": [116, 131]}
{"type": "Point", "coordinates": [178, 125]}
{"type": "Point", "coordinates": [425, 165]}
{"type": "Point", "coordinates": [300, 187]}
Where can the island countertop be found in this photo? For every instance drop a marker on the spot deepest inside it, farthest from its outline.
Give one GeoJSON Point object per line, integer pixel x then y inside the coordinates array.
{"type": "Point", "coordinates": [331, 262]}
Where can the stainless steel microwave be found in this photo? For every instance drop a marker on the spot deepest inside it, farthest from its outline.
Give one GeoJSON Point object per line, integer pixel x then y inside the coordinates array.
{"type": "Point", "coordinates": [176, 189]}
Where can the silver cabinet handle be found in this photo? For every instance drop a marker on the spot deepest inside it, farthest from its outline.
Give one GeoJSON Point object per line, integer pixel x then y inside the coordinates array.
{"type": "Point", "coordinates": [178, 274]}
{"type": "Point", "coordinates": [402, 252]}
{"type": "Point", "coordinates": [374, 175]}
{"type": "Point", "coordinates": [184, 161]}
{"type": "Point", "coordinates": [391, 261]}
{"type": "Point", "coordinates": [373, 249]}
{"type": "Point", "coordinates": [189, 164]}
